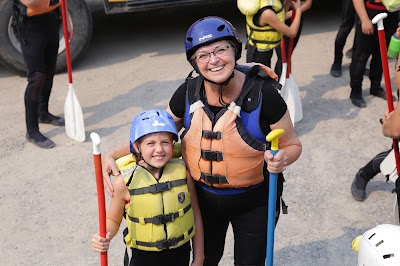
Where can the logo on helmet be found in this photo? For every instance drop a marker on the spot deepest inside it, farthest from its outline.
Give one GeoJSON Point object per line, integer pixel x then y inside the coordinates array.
{"type": "Point", "coordinates": [156, 123]}
{"type": "Point", "coordinates": [205, 37]}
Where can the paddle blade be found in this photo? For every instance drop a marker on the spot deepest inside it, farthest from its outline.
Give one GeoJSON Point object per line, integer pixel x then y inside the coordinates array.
{"type": "Point", "coordinates": [282, 79]}
{"type": "Point", "coordinates": [74, 125]}
{"type": "Point", "coordinates": [291, 94]}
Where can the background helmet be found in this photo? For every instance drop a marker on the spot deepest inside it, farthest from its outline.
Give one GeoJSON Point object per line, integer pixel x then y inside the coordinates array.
{"type": "Point", "coordinates": [380, 246]}
{"type": "Point", "coordinates": [208, 30]}
{"type": "Point", "coordinates": [152, 121]}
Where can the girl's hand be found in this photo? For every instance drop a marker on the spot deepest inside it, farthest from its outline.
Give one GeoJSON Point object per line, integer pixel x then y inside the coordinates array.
{"type": "Point", "coordinates": [296, 4]}
{"type": "Point", "coordinates": [276, 164]}
{"type": "Point", "coordinates": [100, 244]}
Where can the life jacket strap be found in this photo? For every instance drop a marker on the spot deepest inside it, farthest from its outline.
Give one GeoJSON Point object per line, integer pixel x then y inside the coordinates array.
{"type": "Point", "coordinates": [164, 244]}
{"type": "Point", "coordinates": [208, 134]}
{"type": "Point", "coordinates": [161, 219]}
{"type": "Point", "coordinates": [158, 188]}
{"type": "Point", "coordinates": [212, 155]}
{"type": "Point", "coordinates": [214, 179]}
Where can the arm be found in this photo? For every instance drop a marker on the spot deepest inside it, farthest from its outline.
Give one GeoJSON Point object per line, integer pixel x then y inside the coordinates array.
{"type": "Point", "coordinates": [177, 120]}
{"type": "Point", "coordinates": [289, 146]}
{"type": "Point", "coordinates": [198, 239]}
{"type": "Point", "coordinates": [114, 216]}
{"type": "Point", "coordinates": [391, 121]}
{"type": "Point", "coordinates": [110, 167]}
{"type": "Point", "coordinates": [366, 23]}
{"type": "Point", "coordinates": [268, 17]}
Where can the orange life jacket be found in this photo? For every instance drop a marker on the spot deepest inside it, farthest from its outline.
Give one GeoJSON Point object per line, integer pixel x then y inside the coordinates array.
{"type": "Point", "coordinates": [223, 154]}
{"type": "Point", "coordinates": [43, 7]}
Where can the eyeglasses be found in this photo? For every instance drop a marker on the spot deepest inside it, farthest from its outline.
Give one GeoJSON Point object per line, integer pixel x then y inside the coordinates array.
{"type": "Point", "coordinates": [205, 57]}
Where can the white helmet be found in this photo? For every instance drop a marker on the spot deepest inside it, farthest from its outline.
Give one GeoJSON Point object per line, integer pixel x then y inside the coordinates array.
{"type": "Point", "coordinates": [380, 246]}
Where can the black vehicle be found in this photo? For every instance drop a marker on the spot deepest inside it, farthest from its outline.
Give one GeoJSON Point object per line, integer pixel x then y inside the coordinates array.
{"type": "Point", "coordinates": [80, 21]}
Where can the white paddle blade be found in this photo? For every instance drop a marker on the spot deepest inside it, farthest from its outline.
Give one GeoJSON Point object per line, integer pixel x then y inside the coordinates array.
{"type": "Point", "coordinates": [74, 125]}
{"type": "Point", "coordinates": [290, 93]}
{"type": "Point", "coordinates": [282, 79]}
{"type": "Point", "coordinates": [388, 166]}
{"type": "Point", "coordinates": [294, 93]}
{"type": "Point", "coordinates": [396, 212]}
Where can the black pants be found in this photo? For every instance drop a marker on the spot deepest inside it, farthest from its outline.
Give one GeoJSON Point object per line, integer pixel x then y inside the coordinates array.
{"type": "Point", "coordinates": [170, 257]}
{"type": "Point", "coordinates": [248, 214]}
{"type": "Point", "coordinates": [262, 57]}
{"type": "Point", "coordinates": [40, 54]}
{"type": "Point", "coordinates": [366, 46]}
{"type": "Point", "coordinates": [347, 24]}
{"type": "Point", "coordinates": [372, 168]}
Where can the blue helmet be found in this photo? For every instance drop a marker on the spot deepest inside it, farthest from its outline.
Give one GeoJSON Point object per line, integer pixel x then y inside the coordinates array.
{"type": "Point", "coordinates": [208, 30]}
{"type": "Point", "coordinates": [152, 121]}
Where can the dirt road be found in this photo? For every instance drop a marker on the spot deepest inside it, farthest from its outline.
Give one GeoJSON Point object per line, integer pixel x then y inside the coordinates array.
{"type": "Point", "coordinates": [48, 201]}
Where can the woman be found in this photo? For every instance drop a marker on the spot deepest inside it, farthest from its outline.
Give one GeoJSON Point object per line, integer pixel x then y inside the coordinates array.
{"type": "Point", "coordinates": [226, 114]}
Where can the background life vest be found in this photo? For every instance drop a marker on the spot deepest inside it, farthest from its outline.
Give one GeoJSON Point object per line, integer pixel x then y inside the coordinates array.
{"type": "Point", "coordinates": [41, 7]}
{"type": "Point", "coordinates": [218, 149]}
{"type": "Point", "coordinates": [159, 214]}
{"type": "Point", "coordinates": [265, 38]}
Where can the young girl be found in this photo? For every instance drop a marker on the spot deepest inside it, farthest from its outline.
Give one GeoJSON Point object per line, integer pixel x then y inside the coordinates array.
{"type": "Point", "coordinates": [266, 27]}
{"type": "Point", "coordinates": [156, 196]}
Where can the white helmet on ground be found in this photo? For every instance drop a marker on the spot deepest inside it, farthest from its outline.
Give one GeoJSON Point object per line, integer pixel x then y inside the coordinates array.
{"type": "Point", "coordinates": [380, 246]}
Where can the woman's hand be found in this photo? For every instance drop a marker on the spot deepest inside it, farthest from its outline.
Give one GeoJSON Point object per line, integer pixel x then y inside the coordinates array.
{"type": "Point", "coordinates": [109, 168]}
{"type": "Point", "coordinates": [276, 164]}
{"type": "Point", "coordinates": [100, 244]}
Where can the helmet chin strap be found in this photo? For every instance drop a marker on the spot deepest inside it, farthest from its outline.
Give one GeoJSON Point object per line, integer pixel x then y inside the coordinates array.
{"type": "Point", "coordinates": [139, 154]}
{"type": "Point", "coordinates": [220, 99]}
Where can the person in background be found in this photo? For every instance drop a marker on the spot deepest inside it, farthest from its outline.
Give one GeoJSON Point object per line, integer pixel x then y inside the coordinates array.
{"type": "Point", "coordinates": [266, 28]}
{"type": "Point", "coordinates": [390, 128]}
{"type": "Point", "coordinates": [366, 44]}
{"type": "Point", "coordinates": [347, 24]}
{"type": "Point", "coordinates": [36, 23]}
{"type": "Point", "coordinates": [157, 197]}
{"type": "Point", "coordinates": [231, 180]}
{"type": "Point", "coordinates": [305, 5]}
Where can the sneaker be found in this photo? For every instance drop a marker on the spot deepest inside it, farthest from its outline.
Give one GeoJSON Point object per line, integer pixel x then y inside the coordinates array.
{"type": "Point", "coordinates": [358, 101]}
{"type": "Point", "coordinates": [52, 119]}
{"type": "Point", "coordinates": [378, 92]}
{"type": "Point", "coordinates": [39, 140]}
{"type": "Point", "coordinates": [358, 187]}
{"type": "Point", "coordinates": [336, 70]}
{"type": "Point", "coordinates": [349, 53]}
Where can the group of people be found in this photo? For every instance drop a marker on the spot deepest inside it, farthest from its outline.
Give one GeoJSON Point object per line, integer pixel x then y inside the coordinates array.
{"type": "Point", "coordinates": [216, 108]}
{"type": "Point", "coordinates": [366, 45]}
{"type": "Point", "coordinates": [169, 202]}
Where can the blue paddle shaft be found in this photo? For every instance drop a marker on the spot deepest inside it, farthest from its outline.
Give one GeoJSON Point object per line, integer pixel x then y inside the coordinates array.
{"type": "Point", "coordinates": [273, 178]}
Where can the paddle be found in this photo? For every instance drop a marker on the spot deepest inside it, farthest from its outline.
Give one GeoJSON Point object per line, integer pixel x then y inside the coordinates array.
{"type": "Point", "coordinates": [290, 91]}
{"type": "Point", "coordinates": [100, 192]}
{"type": "Point", "coordinates": [272, 137]}
{"type": "Point", "coordinates": [74, 126]}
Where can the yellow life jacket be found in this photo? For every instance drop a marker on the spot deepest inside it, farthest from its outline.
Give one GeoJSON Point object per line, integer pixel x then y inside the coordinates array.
{"type": "Point", "coordinates": [159, 214]}
{"type": "Point", "coordinates": [265, 38]}
{"type": "Point", "coordinates": [42, 7]}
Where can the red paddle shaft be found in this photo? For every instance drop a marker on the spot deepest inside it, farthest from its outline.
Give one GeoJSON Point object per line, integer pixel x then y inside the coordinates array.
{"type": "Point", "coordinates": [100, 192]}
{"type": "Point", "coordinates": [66, 38]}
